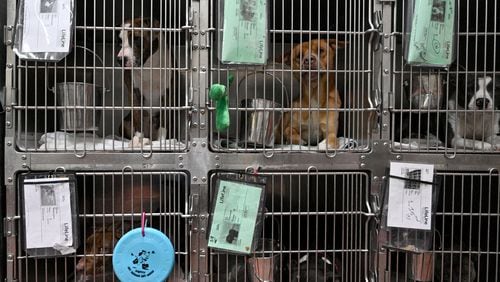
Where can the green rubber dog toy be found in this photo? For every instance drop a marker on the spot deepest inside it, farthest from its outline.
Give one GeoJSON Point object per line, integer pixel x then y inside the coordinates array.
{"type": "Point", "coordinates": [219, 94]}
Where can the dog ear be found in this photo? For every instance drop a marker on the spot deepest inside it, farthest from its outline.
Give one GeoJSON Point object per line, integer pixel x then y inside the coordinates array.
{"type": "Point", "coordinates": [284, 58]}
{"type": "Point", "coordinates": [337, 44]}
{"type": "Point", "coordinates": [118, 233]}
{"type": "Point", "coordinates": [150, 22]}
{"type": "Point", "coordinates": [156, 23]}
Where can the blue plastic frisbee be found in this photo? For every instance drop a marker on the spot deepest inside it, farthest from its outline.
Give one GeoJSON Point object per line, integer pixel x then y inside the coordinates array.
{"type": "Point", "coordinates": [143, 258]}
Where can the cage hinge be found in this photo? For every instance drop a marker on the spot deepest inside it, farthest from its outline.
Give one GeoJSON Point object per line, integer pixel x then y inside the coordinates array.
{"type": "Point", "coordinates": [13, 95]}
{"type": "Point", "coordinates": [8, 34]}
{"type": "Point", "coordinates": [9, 227]}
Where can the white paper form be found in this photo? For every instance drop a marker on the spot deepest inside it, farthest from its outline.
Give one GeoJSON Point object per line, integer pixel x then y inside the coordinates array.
{"type": "Point", "coordinates": [47, 26]}
{"type": "Point", "coordinates": [410, 202]}
{"type": "Point", "coordinates": [47, 207]}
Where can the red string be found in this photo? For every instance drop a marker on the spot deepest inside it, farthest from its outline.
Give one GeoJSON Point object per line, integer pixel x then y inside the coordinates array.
{"type": "Point", "coordinates": [143, 220]}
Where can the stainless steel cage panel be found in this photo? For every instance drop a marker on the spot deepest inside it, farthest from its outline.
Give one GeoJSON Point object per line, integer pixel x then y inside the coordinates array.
{"type": "Point", "coordinates": [466, 243]}
{"type": "Point", "coordinates": [292, 23]}
{"type": "Point", "coordinates": [49, 115]}
{"type": "Point", "coordinates": [432, 108]}
{"type": "Point", "coordinates": [315, 226]}
{"type": "Point", "coordinates": [109, 205]}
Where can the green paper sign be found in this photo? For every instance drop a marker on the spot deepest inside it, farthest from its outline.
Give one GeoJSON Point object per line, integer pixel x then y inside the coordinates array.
{"type": "Point", "coordinates": [235, 215]}
{"type": "Point", "coordinates": [245, 32]}
{"type": "Point", "coordinates": [432, 32]}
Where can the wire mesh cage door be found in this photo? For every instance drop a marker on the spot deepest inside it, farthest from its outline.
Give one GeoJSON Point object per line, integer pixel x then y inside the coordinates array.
{"type": "Point", "coordinates": [125, 77]}
{"type": "Point", "coordinates": [448, 110]}
{"type": "Point", "coordinates": [465, 243]}
{"type": "Point", "coordinates": [315, 227]}
{"type": "Point", "coordinates": [109, 205]}
{"type": "Point", "coordinates": [313, 92]}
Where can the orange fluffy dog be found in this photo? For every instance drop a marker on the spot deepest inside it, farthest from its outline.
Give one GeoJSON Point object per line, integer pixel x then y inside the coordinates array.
{"type": "Point", "coordinates": [312, 120]}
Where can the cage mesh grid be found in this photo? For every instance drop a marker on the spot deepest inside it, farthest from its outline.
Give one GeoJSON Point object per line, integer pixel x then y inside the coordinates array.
{"type": "Point", "coordinates": [109, 205]}
{"type": "Point", "coordinates": [290, 24]}
{"type": "Point", "coordinates": [433, 127]}
{"type": "Point", "coordinates": [46, 122]}
{"type": "Point", "coordinates": [318, 225]}
{"type": "Point", "coordinates": [466, 241]}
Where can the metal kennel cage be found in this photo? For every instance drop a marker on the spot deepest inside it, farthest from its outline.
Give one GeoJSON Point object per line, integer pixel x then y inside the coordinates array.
{"type": "Point", "coordinates": [79, 103]}
{"type": "Point", "coordinates": [421, 108]}
{"type": "Point", "coordinates": [323, 217]}
{"type": "Point", "coordinates": [109, 205]}
{"type": "Point", "coordinates": [315, 227]}
{"type": "Point", "coordinates": [290, 24]}
{"type": "Point", "coordinates": [465, 246]}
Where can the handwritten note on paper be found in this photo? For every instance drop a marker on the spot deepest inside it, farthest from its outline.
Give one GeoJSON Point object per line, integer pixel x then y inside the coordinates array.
{"type": "Point", "coordinates": [47, 207]}
{"type": "Point", "coordinates": [245, 31]}
{"type": "Point", "coordinates": [410, 202]}
{"type": "Point", "coordinates": [431, 40]}
{"type": "Point", "coordinates": [47, 26]}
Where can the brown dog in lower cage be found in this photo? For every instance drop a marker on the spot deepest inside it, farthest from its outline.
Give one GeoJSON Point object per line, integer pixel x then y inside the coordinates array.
{"type": "Point", "coordinates": [98, 246]}
{"type": "Point", "coordinates": [313, 119]}
{"type": "Point", "coordinates": [124, 196]}
{"type": "Point", "coordinates": [97, 262]}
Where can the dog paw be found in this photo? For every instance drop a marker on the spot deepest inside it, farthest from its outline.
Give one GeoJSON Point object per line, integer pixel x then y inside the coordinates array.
{"type": "Point", "coordinates": [323, 146]}
{"type": "Point", "coordinates": [162, 133]}
{"type": "Point", "coordinates": [139, 141]}
{"type": "Point", "coordinates": [495, 142]}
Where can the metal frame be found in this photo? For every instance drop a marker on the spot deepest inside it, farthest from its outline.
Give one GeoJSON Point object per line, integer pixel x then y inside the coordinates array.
{"type": "Point", "coordinates": [200, 160]}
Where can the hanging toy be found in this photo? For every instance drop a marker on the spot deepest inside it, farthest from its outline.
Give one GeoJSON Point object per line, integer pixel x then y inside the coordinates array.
{"type": "Point", "coordinates": [219, 94]}
{"type": "Point", "coordinates": [143, 254]}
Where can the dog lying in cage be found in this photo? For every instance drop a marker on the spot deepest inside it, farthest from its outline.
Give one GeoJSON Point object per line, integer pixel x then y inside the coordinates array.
{"type": "Point", "coordinates": [472, 116]}
{"type": "Point", "coordinates": [121, 195]}
{"type": "Point", "coordinates": [97, 262]}
{"type": "Point", "coordinates": [98, 246]}
{"type": "Point", "coordinates": [146, 59]}
{"type": "Point", "coordinates": [470, 121]}
{"type": "Point", "coordinates": [313, 119]}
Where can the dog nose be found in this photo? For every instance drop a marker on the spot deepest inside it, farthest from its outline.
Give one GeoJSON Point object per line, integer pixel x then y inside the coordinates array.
{"type": "Point", "coordinates": [309, 61]}
{"type": "Point", "coordinates": [482, 103]}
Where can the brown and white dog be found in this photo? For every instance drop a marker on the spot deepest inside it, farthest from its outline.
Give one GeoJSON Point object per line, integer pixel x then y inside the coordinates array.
{"type": "Point", "coordinates": [147, 63]}
{"type": "Point", "coordinates": [313, 120]}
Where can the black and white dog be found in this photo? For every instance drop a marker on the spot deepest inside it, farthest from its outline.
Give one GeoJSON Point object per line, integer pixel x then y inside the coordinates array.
{"type": "Point", "coordinates": [473, 115]}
